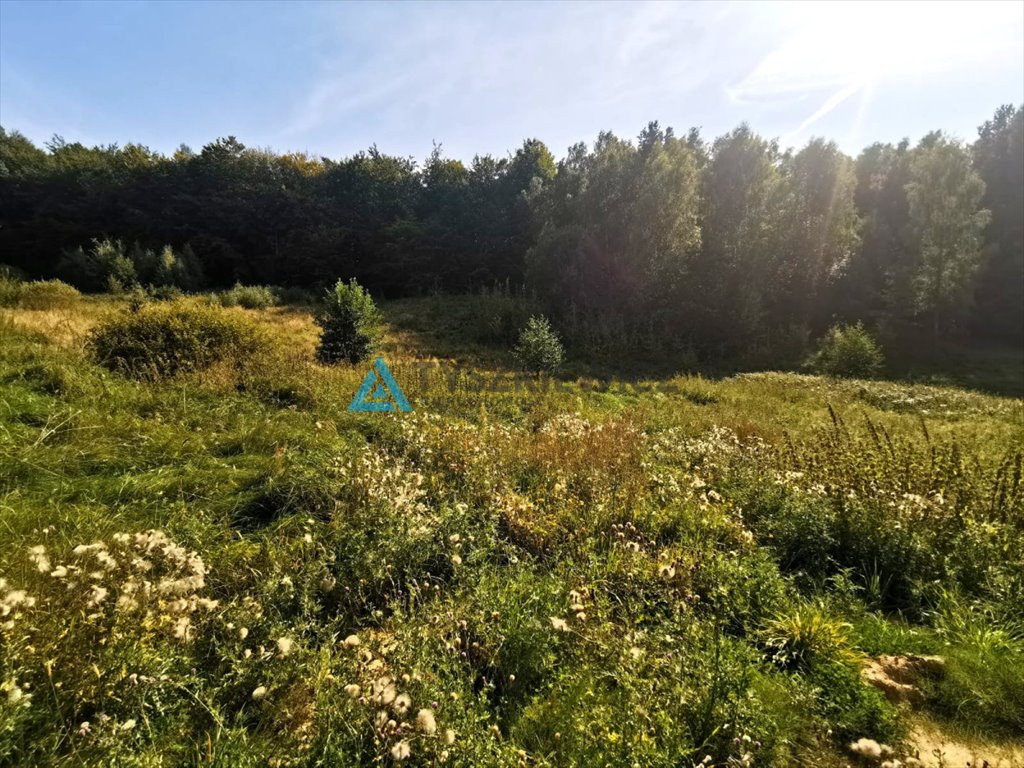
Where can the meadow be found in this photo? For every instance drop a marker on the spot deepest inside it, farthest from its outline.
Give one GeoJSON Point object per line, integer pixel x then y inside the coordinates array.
{"type": "Point", "coordinates": [225, 567]}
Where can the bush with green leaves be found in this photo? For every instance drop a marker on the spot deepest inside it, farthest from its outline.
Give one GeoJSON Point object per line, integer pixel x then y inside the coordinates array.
{"type": "Point", "coordinates": [103, 266]}
{"type": "Point", "coordinates": [248, 297]}
{"type": "Point", "coordinates": [539, 349]}
{"type": "Point", "coordinates": [350, 324]}
{"type": "Point", "coordinates": [160, 340]}
{"type": "Point", "coordinates": [849, 351]}
{"type": "Point", "coordinates": [37, 294]}
{"type": "Point", "coordinates": [108, 265]}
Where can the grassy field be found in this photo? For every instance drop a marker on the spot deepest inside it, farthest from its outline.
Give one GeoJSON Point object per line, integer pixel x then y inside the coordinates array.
{"type": "Point", "coordinates": [228, 568]}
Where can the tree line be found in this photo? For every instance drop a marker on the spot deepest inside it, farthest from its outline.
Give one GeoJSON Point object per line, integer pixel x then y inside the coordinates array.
{"type": "Point", "coordinates": [716, 245]}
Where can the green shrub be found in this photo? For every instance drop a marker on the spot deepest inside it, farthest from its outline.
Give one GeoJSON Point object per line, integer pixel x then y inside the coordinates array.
{"type": "Point", "coordinates": [248, 297]}
{"type": "Point", "coordinates": [105, 264]}
{"type": "Point", "coordinates": [853, 709]}
{"type": "Point", "coordinates": [168, 268]}
{"type": "Point", "coordinates": [847, 350]}
{"type": "Point", "coordinates": [539, 348]}
{"type": "Point", "coordinates": [161, 340]}
{"type": "Point", "coordinates": [39, 294]}
{"type": "Point", "coordinates": [350, 323]}
{"type": "Point", "coordinates": [164, 292]}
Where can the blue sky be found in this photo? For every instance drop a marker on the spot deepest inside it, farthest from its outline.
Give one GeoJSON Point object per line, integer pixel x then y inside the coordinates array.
{"type": "Point", "coordinates": [332, 78]}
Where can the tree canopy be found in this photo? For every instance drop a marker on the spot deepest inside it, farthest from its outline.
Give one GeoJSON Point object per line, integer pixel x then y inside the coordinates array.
{"type": "Point", "coordinates": [718, 245]}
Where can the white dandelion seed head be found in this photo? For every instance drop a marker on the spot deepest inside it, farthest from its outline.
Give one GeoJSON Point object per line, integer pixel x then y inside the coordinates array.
{"type": "Point", "coordinates": [401, 750]}
{"type": "Point", "coordinates": [425, 722]}
{"type": "Point", "coordinates": [866, 748]}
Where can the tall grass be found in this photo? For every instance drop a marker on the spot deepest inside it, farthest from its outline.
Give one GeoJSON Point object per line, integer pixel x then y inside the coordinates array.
{"type": "Point", "coordinates": [571, 575]}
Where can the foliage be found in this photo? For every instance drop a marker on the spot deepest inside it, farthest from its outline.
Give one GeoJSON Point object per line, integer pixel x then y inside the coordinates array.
{"type": "Point", "coordinates": [349, 324]}
{"type": "Point", "coordinates": [847, 350]}
{"type": "Point", "coordinates": [998, 157]}
{"type": "Point", "coordinates": [538, 348]}
{"type": "Point", "coordinates": [944, 197]}
{"type": "Point", "coordinates": [722, 247]}
{"type": "Point", "coordinates": [36, 294]}
{"type": "Point", "coordinates": [107, 265]}
{"type": "Point", "coordinates": [157, 341]}
{"type": "Point", "coordinates": [805, 634]}
{"type": "Point", "coordinates": [248, 297]}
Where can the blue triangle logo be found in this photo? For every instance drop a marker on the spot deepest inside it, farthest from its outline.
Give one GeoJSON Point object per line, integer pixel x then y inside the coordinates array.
{"type": "Point", "coordinates": [379, 392]}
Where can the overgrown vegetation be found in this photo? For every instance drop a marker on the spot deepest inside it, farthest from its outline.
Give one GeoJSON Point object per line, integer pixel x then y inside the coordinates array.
{"type": "Point", "coordinates": [657, 573]}
{"type": "Point", "coordinates": [163, 340]}
{"type": "Point", "coordinates": [36, 294]}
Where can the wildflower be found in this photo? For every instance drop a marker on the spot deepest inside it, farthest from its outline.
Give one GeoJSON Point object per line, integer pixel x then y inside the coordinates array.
{"type": "Point", "coordinates": [128, 724]}
{"type": "Point", "coordinates": [38, 556]}
{"type": "Point", "coordinates": [284, 645]}
{"type": "Point", "coordinates": [425, 722]}
{"type": "Point", "coordinates": [59, 572]}
{"type": "Point", "coordinates": [867, 748]}
{"type": "Point", "coordinates": [352, 641]}
{"type": "Point", "coordinates": [456, 560]}
{"type": "Point", "coordinates": [13, 599]}
{"type": "Point", "coordinates": [449, 737]}
{"type": "Point", "coordinates": [353, 690]}
{"type": "Point", "coordinates": [183, 628]}
{"type": "Point", "coordinates": [99, 594]}
{"type": "Point", "coordinates": [14, 695]}
{"type": "Point", "coordinates": [402, 703]}
{"type": "Point", "coordinates": [401, 750]}
{"type": "Point", "coordinates": [387, 694]}
{"type": "Point", "coordinates": [560, 625]}
{"type": "Point", "coordinates": [243, 632]}
{"type": "Point", "coordinates": [667, 572]}
{"type": "Point", "coordinates": [83, 728]}
{"type": "Point", "coordinates": [259, 693]}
